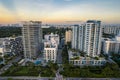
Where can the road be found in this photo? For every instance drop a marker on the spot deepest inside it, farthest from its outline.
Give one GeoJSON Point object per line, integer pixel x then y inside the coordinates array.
{"type": "Point", "coordinates": [28, 78]}
{"type": "Point", "coordinates": [59, 56]}
{"type": "Point", "coordinates": [53, 78]}
{"type": "Point", "coordinates": [7, 66]}
{"type": "Point", "coordinates": [111, 61]}
{"type": "Point", "coordinates": [59, 53]}
{"type": "Point", "coordinates": [58, 75]}
{"type": "Point", "coordinates": [92, 78]}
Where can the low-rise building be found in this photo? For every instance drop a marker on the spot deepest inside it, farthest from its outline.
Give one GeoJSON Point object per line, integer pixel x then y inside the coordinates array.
{"type": "Point", "coordinates": [77, 60]}
{"type": "Point", "coordinates": [11, 45]}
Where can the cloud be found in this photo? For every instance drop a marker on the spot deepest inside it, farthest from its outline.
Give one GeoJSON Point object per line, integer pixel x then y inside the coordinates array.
{"type": "Point", "coordinates": [8, 4]}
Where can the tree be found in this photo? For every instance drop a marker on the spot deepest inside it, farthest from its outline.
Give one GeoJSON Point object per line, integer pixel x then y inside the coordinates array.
{"type": "Point", "coordinates": [107, 72]}
{"type": "Point", "coordinates": [9, 79]}
{"type": "Point", "coordinates": [82, 53]}
{"type": "Point", "coordinates": [15, 64]}
{"type": "Point", "coordinates": [96, 58]}
{"type": "Point", "coordinates": [65, 59]}
{"type": "Point", "coordinates": [53, 66]}
{"type": "Point", "coordinates": [1, 59]}
{"type": "Point", "coordinates": [10, 31]}
{"type": "Point", "coordinates": [69, 45]}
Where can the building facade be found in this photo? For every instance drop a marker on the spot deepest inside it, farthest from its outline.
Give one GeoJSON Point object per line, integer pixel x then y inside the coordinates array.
{"type": "Point", "coordinates": [11, 45]}
{"type": "Point", "coordinates": [81, 37]}
{"type": "Point", "coordinates": [92, 39]}
{"type": "Point", "coordinates": [68, 36]}
{"type": "Point", "coordinates": [111, 45]}
{"type": "Point", "coordinates": [32, 38]}
{"type": "Point", "coordinates": [77, 60]}
{"type": "Point", "coordinates": [51, 36]}
{"type": "Point", "coordinates": [109, 29]}
{"type": "Point", "coordinates": [75, 36]}
{"type": "Point", "coordinates": [1, 51]}
{"type": "Point", "coordinates": [88, 62]}
{"type": "Point", "coordinates": [51, 47]}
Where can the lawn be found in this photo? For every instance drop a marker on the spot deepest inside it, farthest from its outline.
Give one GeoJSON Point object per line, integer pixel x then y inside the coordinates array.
{"type": "Point", "coordinates": [29, 71]}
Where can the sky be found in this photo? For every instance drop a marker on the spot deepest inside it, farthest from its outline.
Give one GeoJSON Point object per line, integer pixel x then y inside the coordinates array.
{"type": "Point", "coordinates": [60, 11]}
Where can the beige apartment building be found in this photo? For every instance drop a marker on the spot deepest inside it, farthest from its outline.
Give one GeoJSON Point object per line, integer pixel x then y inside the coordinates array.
{"type": "Point", "coordinates": [68, 36]}
{"type": "Point", "coordinates": [32, 38]}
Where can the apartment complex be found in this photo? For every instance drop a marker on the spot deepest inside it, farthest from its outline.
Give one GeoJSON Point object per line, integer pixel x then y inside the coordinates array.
{"type": "Point", "coordinates": [75, 36]}
{"type": "Point", "coordinates": [51, 47]}
{"type": "Point", "coordinates": [87, 37]}
{"type": "Point", "coordinates": [68, 36]}
{"type": "Point", "coordinates": [11, 45]}
{"type": "Point", "coordinates": [109, 29]}
{"type": "Point", "coordinates": [32, 38]}
{"type": "Point", "coordinates": [111, 45]}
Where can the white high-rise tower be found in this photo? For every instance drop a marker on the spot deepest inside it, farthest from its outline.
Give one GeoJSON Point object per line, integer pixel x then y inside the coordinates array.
{"type": "Point", "coordinates": [87, 37]}
{"type": "Point", "coordinates": [75, 36]}
{"type": "Point", "coordinates": [92, 39]}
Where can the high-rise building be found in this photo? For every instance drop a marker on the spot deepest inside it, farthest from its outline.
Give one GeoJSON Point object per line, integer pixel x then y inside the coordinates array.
{"type": "Point", "coordinates": [68, 36]}
{"type": "Point", "coordinates": [32, 38]}
{"type": "Point", "coordinates": [75, 36]}
{"type": "Point", "coordinates": [92, 40]}
{"type": "Point", "coordinates": [87, 37]}
{"type": "Point", "coordinates": [81, 37]}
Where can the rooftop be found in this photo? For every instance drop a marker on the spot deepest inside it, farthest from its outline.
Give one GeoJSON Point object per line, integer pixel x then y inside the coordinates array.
{"type": "Point", "coordinates": [93, 21]}
{"type": "Point", "coordinates": [76, 56]}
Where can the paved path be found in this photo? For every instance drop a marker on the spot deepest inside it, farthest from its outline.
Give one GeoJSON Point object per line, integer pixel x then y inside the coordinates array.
{"type": "Point", "coordinates": [28, 78]}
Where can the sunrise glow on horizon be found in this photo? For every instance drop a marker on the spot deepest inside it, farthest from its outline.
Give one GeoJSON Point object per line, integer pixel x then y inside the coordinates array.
{"type": "Point", "coordinates": [57, 11]}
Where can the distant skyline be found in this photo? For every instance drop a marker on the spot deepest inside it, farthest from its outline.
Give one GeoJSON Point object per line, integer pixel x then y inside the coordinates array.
{"type": "Point", "coordinates": [59, 11]}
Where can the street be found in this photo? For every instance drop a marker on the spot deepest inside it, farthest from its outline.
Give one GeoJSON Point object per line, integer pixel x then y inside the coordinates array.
{"type": "Point", "coordinates": [54, 78]}
{"type": "Point", "coordinates": [59, 56]}
{"type": "Point", "coordinates": [59, 53]}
